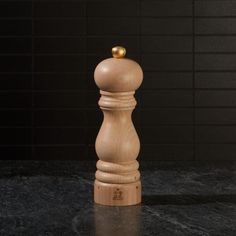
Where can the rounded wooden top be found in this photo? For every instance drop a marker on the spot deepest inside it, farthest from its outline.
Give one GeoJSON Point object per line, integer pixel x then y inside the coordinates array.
{"type": "Point", "coordinates": [118, 74]}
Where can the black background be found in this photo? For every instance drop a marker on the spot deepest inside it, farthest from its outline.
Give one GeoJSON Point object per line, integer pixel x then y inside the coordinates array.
{"type": "Point", "coordinates": [48, 99]}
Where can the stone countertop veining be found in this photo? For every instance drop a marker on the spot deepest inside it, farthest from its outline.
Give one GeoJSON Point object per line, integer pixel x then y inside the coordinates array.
{"type": "Point", "coordinates": [56, 198]}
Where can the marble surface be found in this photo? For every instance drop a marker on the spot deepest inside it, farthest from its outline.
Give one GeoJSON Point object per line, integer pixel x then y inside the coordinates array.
{"type": "Point", "coordinates": [56, 198]}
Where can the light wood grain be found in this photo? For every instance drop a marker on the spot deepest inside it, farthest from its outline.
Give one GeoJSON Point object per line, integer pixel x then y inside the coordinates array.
{"type": "Point", "coordinates": [117, 144]}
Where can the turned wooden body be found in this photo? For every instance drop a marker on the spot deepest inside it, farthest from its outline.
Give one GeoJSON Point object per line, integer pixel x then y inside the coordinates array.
{"type": "Point", "coordinates": [117, 144]}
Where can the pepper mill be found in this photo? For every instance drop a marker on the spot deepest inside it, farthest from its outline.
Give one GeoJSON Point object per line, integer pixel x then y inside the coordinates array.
{"type": "Point", "coordinates": [117, 145]}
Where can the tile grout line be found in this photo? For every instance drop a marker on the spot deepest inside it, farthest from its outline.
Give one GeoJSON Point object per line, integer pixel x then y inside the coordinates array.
{"type": "Point", "coordinates": [38, 18]}
{"type": "Point", "coordinates": [87, 80]}
{"type": "Point", "coordinates": [140, 61]}
{"type": "Point", "coordinates": [32, 83]}
{"type": "Point", "coordinates": [193, 58]}
{"type": "Point", "coordinates": [133, 35]}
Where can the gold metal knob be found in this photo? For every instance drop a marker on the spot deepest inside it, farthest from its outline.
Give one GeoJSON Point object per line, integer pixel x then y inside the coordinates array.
{"type": "Point", "coordinates": [118, 52]}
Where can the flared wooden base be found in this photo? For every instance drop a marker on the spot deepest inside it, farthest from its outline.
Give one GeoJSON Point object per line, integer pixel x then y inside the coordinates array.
{"type": "Point", "coordinates": [117, 194]}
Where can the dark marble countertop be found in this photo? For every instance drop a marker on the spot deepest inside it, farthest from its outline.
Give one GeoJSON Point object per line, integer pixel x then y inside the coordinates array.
{"type": "Point", "coordinates": [56, 198]}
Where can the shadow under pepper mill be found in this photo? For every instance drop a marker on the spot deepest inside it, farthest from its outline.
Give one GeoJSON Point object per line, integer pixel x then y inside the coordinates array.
{"type": "Point", "coordinates": [117, 145]}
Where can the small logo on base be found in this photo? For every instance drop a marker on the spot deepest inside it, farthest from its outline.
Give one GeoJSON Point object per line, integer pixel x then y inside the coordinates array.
{"type": "Point", "coordinates": [118, 194]}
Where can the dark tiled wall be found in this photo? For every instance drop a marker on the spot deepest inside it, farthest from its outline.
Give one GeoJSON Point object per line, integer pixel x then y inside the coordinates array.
{"type": "Point", "coordinates": [48, 99]}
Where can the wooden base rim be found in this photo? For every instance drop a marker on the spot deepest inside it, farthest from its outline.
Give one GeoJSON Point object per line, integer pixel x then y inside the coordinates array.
{"type": "Point", "coordinates": [117, 194]}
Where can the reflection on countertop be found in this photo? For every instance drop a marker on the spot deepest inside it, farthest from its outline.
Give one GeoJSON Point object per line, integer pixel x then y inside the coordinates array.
{"type": "Point", "coordinates": [56, 198]}
{"type": "Point", "coordinates": [107, 220]}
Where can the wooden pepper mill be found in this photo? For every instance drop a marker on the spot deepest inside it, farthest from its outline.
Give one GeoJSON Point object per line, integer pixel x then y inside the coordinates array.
{"type": "Point", "coordinates": [117, 145]}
